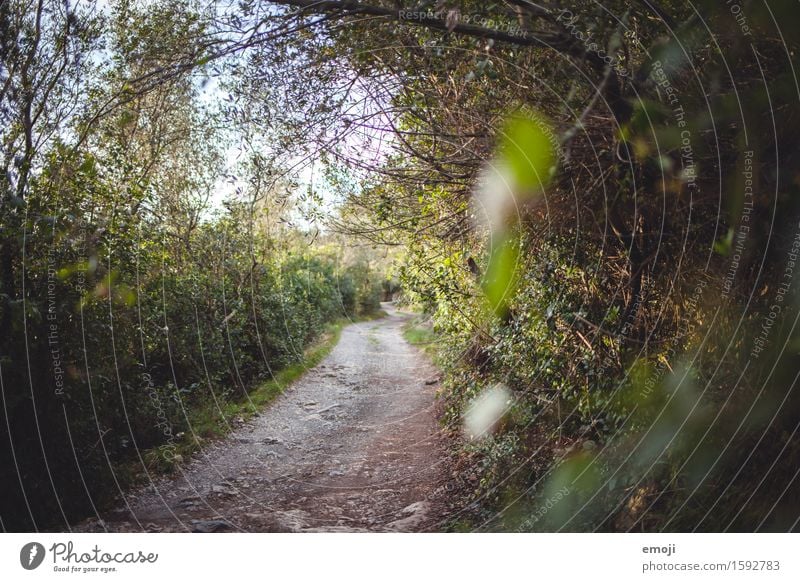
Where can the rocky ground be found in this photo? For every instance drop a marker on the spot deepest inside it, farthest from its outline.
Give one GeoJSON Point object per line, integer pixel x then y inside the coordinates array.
{"type": "Point", "coordinates": [354, 445]}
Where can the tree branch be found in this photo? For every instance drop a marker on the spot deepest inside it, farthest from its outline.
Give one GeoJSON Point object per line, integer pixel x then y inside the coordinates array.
{"type": "Point", "coordinates": [430, 20]}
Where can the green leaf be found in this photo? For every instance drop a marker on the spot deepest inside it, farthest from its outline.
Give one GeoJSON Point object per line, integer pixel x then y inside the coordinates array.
{"type": "Point", "coordinates": [501, 275]}
{"type": "Point", "coordinates": [527, 149]}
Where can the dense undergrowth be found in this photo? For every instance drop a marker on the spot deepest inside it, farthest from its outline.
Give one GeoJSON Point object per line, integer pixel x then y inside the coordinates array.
{"type": "Point", "coordinates": [151, 294]}
{"type": "Point", "coordinates": [603, 233]}
{"type": "Point", "coordinates": [602, 433]}
{"type": "Point", "coordinates": [140, 349]}
{"type": "Point", "coordinates": [633, 302]}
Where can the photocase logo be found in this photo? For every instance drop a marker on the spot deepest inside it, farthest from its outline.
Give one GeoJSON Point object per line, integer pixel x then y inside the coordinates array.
{"type": "Point", "coordinates": [31, 555]}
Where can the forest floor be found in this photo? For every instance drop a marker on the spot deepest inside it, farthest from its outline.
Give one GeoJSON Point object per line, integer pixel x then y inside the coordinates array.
{"type": "Point", "coordinates": [354, 445]}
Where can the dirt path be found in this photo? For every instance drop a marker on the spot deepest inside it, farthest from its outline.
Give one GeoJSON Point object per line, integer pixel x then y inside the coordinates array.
{"type": "Point", "coordinates": [352, 446]}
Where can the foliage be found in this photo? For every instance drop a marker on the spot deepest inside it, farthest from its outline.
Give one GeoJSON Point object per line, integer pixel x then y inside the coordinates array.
{"type": "Point", "coordinates": [138, 318]}
{"type": "Point", "coordinates": [596, 205]}
{"type": "Point", "coordinates": [626, 294]}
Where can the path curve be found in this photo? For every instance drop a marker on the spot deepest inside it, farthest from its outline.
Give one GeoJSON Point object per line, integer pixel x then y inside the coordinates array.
{"type": "Point", "coordinates": [354, 445]}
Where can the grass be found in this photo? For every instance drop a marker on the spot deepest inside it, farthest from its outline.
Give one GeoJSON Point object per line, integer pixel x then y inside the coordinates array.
{"type": "Point", "coordinates": [379, 314]}
{"type": "Point", "coordinates": [419, 332]}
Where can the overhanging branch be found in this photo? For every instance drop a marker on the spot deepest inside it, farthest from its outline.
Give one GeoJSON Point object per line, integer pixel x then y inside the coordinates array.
{"type": "Point", "coordinates": [431, 20]}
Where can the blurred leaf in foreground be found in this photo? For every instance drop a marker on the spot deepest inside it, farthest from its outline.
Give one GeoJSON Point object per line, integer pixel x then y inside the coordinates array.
{"type": "Point", "coordinates": [500, 281]}
{"type": "Point", "coordinates": [526, 148]}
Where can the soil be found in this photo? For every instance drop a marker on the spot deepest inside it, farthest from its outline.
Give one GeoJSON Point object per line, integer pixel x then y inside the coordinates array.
{"type": "Point", "coordinates": [354, 445]}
